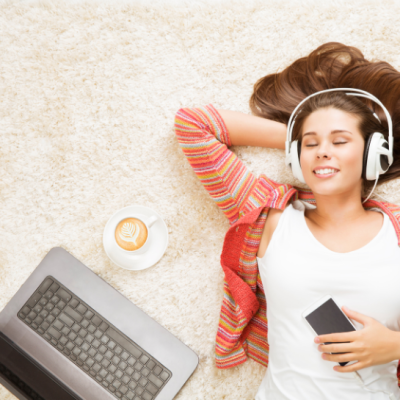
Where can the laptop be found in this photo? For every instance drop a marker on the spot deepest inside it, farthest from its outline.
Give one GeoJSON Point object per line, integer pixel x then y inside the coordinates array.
{"type": "Point", "coordinates": [67, 334]}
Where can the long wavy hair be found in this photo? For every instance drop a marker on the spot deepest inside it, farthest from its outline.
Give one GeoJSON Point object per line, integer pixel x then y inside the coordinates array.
{"type": "Point", "coordinates": [334, 65]}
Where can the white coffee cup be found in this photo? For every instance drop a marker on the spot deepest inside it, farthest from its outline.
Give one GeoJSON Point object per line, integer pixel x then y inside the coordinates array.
{"type": "Point", "coordinates": [148, 222]}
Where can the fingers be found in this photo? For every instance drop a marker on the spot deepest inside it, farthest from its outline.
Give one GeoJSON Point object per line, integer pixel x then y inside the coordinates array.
{"type": "Point", "coordinates": [336, 348]}
{"type": "Point", "coordinates": [339, 357]}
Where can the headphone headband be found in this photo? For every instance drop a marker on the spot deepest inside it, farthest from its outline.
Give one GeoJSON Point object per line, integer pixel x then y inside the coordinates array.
{"type": "Point", "coordinates": [366, 95]}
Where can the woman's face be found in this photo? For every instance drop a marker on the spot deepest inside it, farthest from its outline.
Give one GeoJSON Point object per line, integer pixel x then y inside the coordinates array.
{"type": "Point", "coordinates": [342, 151]}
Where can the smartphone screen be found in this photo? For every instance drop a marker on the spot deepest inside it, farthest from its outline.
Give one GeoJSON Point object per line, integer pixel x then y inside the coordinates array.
{"type": "Point", "coordinates": [329, 318]}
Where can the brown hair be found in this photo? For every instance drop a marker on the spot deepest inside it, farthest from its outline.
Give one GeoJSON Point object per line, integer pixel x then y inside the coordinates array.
{"type": "Point", "coordinates": [334, 65]}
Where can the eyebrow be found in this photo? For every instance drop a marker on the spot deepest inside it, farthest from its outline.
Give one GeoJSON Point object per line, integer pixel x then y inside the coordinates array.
{"type": "Point", "coordinates": [332, 132]}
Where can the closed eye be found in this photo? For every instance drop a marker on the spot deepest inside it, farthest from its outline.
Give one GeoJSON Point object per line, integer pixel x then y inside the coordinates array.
{"type": "Point", "coordinates": [312, 145]}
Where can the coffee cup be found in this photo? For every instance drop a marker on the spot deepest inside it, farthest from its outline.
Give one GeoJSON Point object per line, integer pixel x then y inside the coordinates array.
{"type": "Point", "coordinates": [132, 234]}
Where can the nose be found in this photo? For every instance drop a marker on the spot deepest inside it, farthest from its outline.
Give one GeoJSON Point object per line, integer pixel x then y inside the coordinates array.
{"type": "Point", "coordinates": [324, 151]}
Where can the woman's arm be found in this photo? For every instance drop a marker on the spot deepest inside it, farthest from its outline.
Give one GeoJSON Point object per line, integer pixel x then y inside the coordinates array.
{"type": "Point", "coordinates": [249, 130]}
{"type": "Point", "coordinates": [205, 141]}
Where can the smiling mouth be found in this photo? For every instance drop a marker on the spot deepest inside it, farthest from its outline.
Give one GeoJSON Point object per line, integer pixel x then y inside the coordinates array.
{"type": "Point", "coordinates": [325, 175]}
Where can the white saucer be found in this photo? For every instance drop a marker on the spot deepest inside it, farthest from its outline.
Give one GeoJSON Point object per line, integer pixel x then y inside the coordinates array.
{"type": "Point", "coordinates": [158, 245]}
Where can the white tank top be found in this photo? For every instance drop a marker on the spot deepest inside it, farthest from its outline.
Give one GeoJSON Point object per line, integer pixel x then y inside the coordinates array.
{"type": "Point", "coordinates": [296, 271]}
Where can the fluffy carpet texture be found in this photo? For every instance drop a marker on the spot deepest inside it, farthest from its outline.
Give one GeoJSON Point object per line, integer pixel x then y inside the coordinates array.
{"type": "Point", "coordinates": [89, 91]}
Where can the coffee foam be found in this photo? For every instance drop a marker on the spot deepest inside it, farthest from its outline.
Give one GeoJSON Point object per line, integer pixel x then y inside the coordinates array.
{"type": "Point", "coordinates": [131, 234]}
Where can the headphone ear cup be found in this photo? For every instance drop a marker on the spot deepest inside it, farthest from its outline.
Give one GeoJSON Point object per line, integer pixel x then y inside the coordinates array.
{"type": "Point", "coordinates": [373, 161]}
{"type": "Point", "coordinates": [295, 151]}
{"type": "Point", "coordinates": [365, 156]}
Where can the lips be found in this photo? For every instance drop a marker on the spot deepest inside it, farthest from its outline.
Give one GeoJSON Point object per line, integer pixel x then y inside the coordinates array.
{"type": "Point", "coordinates": [325, 175]}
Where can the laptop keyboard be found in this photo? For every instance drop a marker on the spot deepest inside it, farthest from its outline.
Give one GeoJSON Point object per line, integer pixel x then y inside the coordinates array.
{"type": "Point", "coordinates": [92, 343]}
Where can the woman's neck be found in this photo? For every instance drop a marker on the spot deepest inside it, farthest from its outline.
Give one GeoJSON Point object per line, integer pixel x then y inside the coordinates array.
{"type": "Point", "coordinates": [336, 211]}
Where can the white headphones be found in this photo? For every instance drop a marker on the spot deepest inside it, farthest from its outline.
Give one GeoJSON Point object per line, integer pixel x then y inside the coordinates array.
{"type": "Point", "coordinates": [378, 153]}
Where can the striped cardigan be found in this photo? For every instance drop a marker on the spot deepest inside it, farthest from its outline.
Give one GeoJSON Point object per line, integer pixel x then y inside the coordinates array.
{"type": "Point", "coordinates": [245, 200]}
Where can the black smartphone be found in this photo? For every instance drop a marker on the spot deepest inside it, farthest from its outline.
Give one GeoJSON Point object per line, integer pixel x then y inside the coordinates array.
{"type": "Point", "coordinates": [325, 317]}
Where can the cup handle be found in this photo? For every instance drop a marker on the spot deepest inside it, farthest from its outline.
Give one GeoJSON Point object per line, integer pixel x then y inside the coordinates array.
{"type": "Point", "coordinates": [151, 220]}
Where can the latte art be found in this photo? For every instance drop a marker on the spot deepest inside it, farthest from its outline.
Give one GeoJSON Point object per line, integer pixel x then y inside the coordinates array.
{"type": "Point", "coordinates": [131, 234]}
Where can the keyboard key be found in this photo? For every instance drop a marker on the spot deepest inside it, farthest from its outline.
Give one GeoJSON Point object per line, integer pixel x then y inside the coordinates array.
{"type": "Point", "coordinates": [145, 372]}
{"type": "Point", "coordinates": [63, 340]}
{"type": "Point", "coordinates": [164, 376]}
{"type": "Point", "coordinates": [117, 384]}
{"type": "Point", "coordinates": [151, 388]}
{"type": "Point", "coordinates": [109, 354]}
{"type": "Point", "coordinates": [105, 363]}
{"type": "Point", "coordinates": [65, 330]}
{"type": "Point", "coordinates": [92, 351]}
{"type": "Point", "coordinates": [44, 313]}
{"type": "Point", "coordinates": [76, 328]}
{"type": "Point", "coordinates": [64, 295]}
{"type": "Point", "coordinates": [116, 360]}
{"type": "Point", "coordinates": [77, 351]}
{"type": "Point", "coordinates": [123, 389]}
{"type": "Point", "coordinates": [96, 343]}
{"type": "Point", "coordinates": [85, 347]}
{"type": "Point", "coordinates": [136, 376]}
{"type": "Point", "coordinates": [54, 287]}
{"type": "Point", "coordinates": [131, 361]}
{"type": "Point", "coordinates": [98, 357]}
{"type": "Point", "coordinates": [144, 359]}
{"type": "Point", "coordinates": [122, 365]}
{"type": "Point", "coordinates": [125, 379]}
{"type": "Point", "coordinates": [158, 382]}
{"type": "Point", "coordinates": [124, 355]}
{"type": "Point", "coordinates": [81, 309]}
{"type": "Point", "coordinates": [103, 373]}
{"type": "Point", "coordinates": [50, 319]}
{"type": "Point", "coordinates": [98, 334]}
{"type": "Point", "coordinates": [70, 346]}
{"type": "Point", "coordinates": [119, 373]}
{"type": "Point", "coordinates": [110, 378]}
{"type": "Point", "coordinates": [59, 325]}
{"type": "Point", "coordinates": [82, 333]}
{"type": "Point", "coordinates": [78, 341]}
{"type": "Point", "coordinates": [34, 299]}
{"type": "Point", "coordinates": [32, 315]}
{"type": "Point", "coordinates": [143, 381]}
{"type": "Point", "coordinates": [130, 395]}
{"type": "Point", "coordinates": [128, 345]}
{"type": "Point", "coordinates": [96, 367]}
{"type": "Point", "coordinates": [85, 323]}
{"type": "Point", "coordinates": [146, 396]}
{"type": "Point", "coordinates": [150, 365]}
{"type": "Point", "coordinates": [138, 366]}
{"type": "Point", "coordinates": [96, 320]}
{"type": "Point", "coordinates": [129, 371]}
{"type": "Point", "coordinates": [157, 370]}
{"type": "Point", "coordinates": [132, 385]}
{"type": "Point", "coordinates": [83, 356]}
{"type": "Point", "coordinates": [112, 368]}
{"type": "Point", "coordinates": [111, 345]}
{"type": "Point", "coordinates": [105, 339]}
{"type": "Point", "coordinates": [73, 314]}
{"type": "Point", "coordinates": [89, 338]}
{"type": "Point", "coordinates": [139, 390]}
{"type": "Point", "coordinates": [54, 333]}
{"type": "Point", "coordinates": [89, 314]}
{"type": "Point", "coordinates": [37, 308]}
{"type": "Point", "coordinates": [89, 361]}
{"type": "Point", "coordinates": [55, 300]}
{"type": "Point", "coordinates": [45, 285]}
{"type": "Point", "coordinates": [61, 305]}
{"type": "Point", "coordinates": [66, 319]}
{"type": "Point", "coordinates": [103, 326]}
{"type": "Point", "coordinates": [72, 335]}
{"type": "Point", "coordinates": [73, 303]}
{"type": "Point", "coordinates": [102, 349]}
{"type": "Point", "coordinates": [91, 328]}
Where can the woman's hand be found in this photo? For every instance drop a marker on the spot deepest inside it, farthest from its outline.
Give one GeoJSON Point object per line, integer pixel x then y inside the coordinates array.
{"type": "Point", "coordinates": [374, 344]}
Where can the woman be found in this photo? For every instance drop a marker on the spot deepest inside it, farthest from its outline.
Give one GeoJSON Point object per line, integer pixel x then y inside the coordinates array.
{"type": "Point", "coordinates": [288, 246]}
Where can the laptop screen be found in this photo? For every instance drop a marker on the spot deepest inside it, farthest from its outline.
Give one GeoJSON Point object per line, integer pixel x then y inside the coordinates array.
{"type": "Point", "coordinates": [24, 376]}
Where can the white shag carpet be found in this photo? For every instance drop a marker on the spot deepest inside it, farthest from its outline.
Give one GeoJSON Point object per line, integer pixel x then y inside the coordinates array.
{"type": "Point", "coordinates": [88, 95]}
